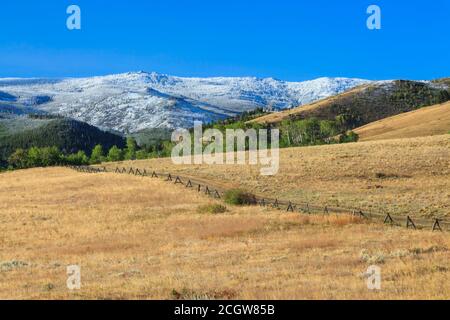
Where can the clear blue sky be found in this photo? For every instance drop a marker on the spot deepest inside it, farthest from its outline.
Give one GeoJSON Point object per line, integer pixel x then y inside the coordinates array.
{"type": "Point", "coordinates": [285, 39]}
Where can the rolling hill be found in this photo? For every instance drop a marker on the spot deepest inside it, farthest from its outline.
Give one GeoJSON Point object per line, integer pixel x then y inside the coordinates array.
{"type": "Point", "coordinates": [68, 135]}
{"type": "Point", "coordinates": [427, 121]}
{"type": "Point", "coordinates": [401, 176]}
{"type": "Point", "coordinates": [368, 103]}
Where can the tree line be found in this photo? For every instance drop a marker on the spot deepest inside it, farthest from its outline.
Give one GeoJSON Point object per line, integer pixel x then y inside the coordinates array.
{"type": "Point", "coordinates": [292, 133]}
{"type": "Point", "coordinates": [53, 156]}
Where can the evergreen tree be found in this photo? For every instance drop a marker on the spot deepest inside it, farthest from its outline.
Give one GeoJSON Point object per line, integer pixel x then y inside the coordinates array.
{"type": "Point", "coordinates": [130, 151]}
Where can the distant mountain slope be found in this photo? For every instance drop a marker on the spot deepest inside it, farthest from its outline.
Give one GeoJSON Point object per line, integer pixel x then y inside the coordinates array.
{"type": "Point", "coordinates": [68, 135]}
{"type": "Point", "coordinates": [135, 101]}
{"type": "Point", "coordinates": [427, 121]}
{"type": "Point", "coordinates": [368, 103]}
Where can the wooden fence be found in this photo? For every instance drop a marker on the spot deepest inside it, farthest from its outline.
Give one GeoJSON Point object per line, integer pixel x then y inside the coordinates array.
{"type": "Point", "coordinates": [434, 224]}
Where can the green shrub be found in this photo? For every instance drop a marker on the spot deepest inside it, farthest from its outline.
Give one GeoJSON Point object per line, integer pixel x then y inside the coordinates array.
{"type": "Point", "coordinates": [212, 208]}
{"type": "Point", "coordinates": [347, 137]}
{"type": "Point", "coordinates": [239, 197]}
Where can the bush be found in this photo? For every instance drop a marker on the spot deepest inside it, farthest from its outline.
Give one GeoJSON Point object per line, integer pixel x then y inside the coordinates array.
{"type": "Point", "coordinates": [349, 137]}
{"type": "Point", "coordinates": [19, 159]}
{"type": "Point", "coordinates": [212, 208]}
{"type": "Point", "coordinates": [239, 197]}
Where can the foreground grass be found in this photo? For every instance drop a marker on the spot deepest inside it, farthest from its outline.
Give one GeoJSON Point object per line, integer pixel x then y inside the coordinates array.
{"type": "Point", "coordinates": [140, 238]}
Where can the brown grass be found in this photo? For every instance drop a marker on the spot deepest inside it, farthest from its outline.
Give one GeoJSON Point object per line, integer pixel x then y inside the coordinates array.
{"type": "Point", "coordinates": [141, 238]}
{"type": "Point", "coordinates": [428, 121]}
{"type": "Point", "coordinates": [400, 176]}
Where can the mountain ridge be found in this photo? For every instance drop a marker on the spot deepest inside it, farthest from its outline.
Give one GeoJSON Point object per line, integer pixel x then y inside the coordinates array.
{"type": "Point", "coordinates": [133, 101]}
{"type": "Point", "coordinates": [367, 103]}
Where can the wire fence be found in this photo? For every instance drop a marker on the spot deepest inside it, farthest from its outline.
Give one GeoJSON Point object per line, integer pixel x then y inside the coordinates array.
{"type": "Point", "coordinates": [434, 224]}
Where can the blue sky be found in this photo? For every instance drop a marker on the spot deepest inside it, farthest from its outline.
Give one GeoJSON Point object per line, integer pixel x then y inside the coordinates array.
{"type": "Point", "coordinates": [285, 39]}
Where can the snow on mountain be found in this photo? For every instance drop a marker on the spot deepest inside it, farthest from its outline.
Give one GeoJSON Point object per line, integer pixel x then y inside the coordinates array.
{"type": "Point", "coordinates": [133, 101]}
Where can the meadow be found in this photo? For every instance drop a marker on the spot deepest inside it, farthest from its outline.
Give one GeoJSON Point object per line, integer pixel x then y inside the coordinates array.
{"type": "Point", "coordinates": [398, 176]}
{"type": "Point", "coordinates": [142, 238]}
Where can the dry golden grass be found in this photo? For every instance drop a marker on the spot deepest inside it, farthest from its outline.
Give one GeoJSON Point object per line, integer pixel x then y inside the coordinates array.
{"type": "Point", "coordinates": [141, 238]}
{"type": "Point", "coordinates": [429, 121]}
{"type": "Point", "coordinates": [401, 176]}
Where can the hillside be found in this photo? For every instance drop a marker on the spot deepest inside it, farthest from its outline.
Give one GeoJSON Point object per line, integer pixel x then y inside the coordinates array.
{"type": "Point", "coordinates": [400, 176]}
{"type": "Point", "coordinates": [136, 101]}
{"type": "Point", "coordinates": [68, 135]}
{"type": "Point", "coordinates": [143, 238]}
{"type": "Point", "coordinates": [368, 103]}
{"type": "Point", "coordinates": [427, 121]}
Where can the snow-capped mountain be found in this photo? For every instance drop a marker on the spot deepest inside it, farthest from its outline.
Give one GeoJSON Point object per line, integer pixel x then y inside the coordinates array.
{"type": "Point", "coordinates": [133, 101]}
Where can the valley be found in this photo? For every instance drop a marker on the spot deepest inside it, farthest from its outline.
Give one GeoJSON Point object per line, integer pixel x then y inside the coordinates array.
{"type": "Point", "coordinates": [138, 237]}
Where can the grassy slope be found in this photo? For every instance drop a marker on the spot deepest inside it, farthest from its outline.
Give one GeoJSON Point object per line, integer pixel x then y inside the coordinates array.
{"type": "Point", "coordinates": [143, 239]}
{"type": "Point", "coordinates": [367, 103]}
{"type": "Point", "coordinates": [428, 121]}
{"type": "Point", "coordinates": [308, 109]}
{"type": "Point", "coordinates": [401, 176]}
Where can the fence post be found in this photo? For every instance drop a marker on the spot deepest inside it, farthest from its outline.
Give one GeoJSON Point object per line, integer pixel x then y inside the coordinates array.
{"type": "Point", "coordinates": [217, 194]}
{"type": "Point", "coordinates": [410, 223]}
{"type": "Point", "coordinates": [189, 184]}
{"type": "Point", "coordinates": [275, 204]}
{"type": "Point", "coordinates": [388, 219]}
{"type": "Point", "coordinates": [263, 202]}
{"type": "Point", "coordinates": [169, 177]}
{"type": "Point", "coordinates": [131, 171]}
{"type": "Point", "coordinates": [437, 225]}
{"type": "Point", "coordinates": [199, 188]}
{"type": "Point", "coordinates": [207, 191]}
{"type": "Point", "coordinates": [290, 208]}
{"type": "Point", "coordinates": [178, 180]}
{"type": "Point", "coordinates": [325, 210]}
{"type": "Point", "coordinates": [154, 175]}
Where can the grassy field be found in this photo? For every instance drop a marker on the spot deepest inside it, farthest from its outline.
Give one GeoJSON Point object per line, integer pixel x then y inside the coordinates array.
{"type": "Point", "coordinates": [428, 121]}
{"type": "Point", "coordinates": [400, 176]}
{"type": "Point", "coordinates": [143, 238]}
